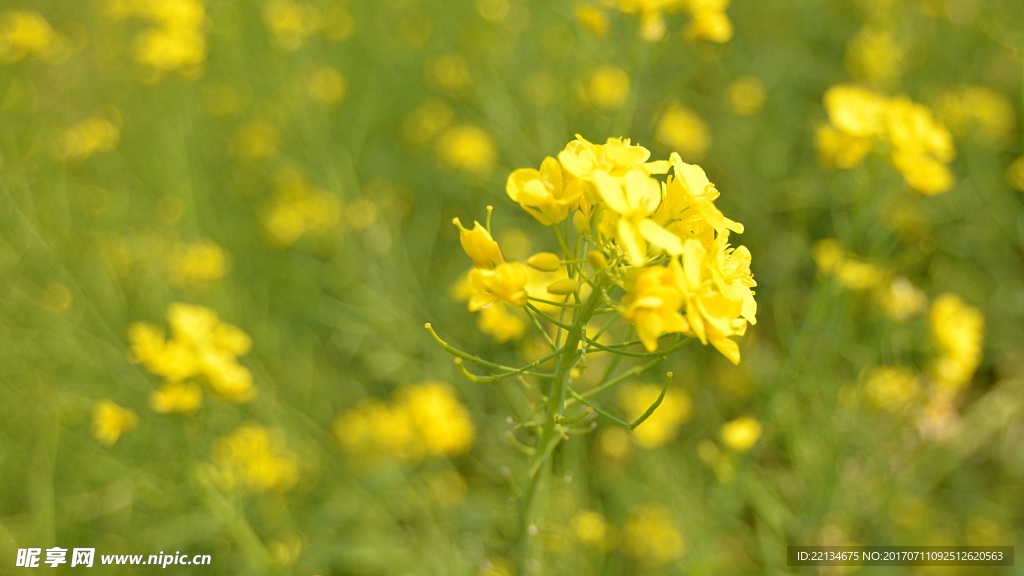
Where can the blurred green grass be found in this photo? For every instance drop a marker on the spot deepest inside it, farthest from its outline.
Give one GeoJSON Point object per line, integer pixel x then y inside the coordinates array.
{"type": "Point", "coordinates": [336, 315]}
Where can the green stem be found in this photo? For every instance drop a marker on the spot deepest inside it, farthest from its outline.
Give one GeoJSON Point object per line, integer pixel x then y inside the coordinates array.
{"type": "Point", "coordinates": [551, 432]}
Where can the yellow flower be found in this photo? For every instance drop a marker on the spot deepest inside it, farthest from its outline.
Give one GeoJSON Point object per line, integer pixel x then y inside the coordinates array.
{"type": "Point", "coordinates": [197, 264]}
{"type": "Point", "coordinates": [479, 245]}
{"type": "Point", "coordinates": [442, 423]}
{"type": "Point", "coordinates": [652, 303]}
{"type": "Point", "coordinates": [326, 85]}
{"type": "Point", "coordinates": [634, 198]}
{"type": "Point", "coordinates": [903, 300]}
{"type": "Point", "coordinates": [86, 138]}
{"type": "Point", "coordinates": [201, 345]}
{"type": "Point", "coordinates": [607, 87]}
{"type": "Point", "coordinates": [498, 322]}
{"type": "Point", "coordinates": [875, 56]}
{"type": "Point", "coordinates": [176, 398]}
{"type": "Point", "coordinates": [593, 19]}
{"type": "Point", "coordinates": [544, 193]}
{"type": "Point", "coordinates": [710, 23]}
{"type": "Point", "coordinates": [719, 302]}
{"type": "Point", "coordinates": [746, 95]}
{"type": "Point", "coordinates": [254, 459]}
{"type": "Point", "coordinates": [682, 130]}
{"type": "Point", "coordinates": [651, 536]}
{"type": "Point", "coordinates": [856, 111]}
{"type": "Point", "coordinates": [468, 148]}
{"type": "Point", "coordinates": [839, 149]}
{"type": "Point", "coordinates": [1015, 174]}
{"type": "Point", "coordinates": [924, 173]}
{"type": "Point", "coordinates": [660, 427]}
{"type": "Point", "coordinates": [422, 420]}
{"type": "Point", "coordinates": [741, 434]}
{"type": "Point", "coordinates": [26, 34]}
{"type": "Point", "coordinates": [109, 421]}
{"type": "Point", "coordinates": [291, 23]}
{"type": "Point", "coordinates": [913, 130]}
{"type": "Point", "coordinates": [958, 329]}
{"type": "Point", "coordinates": [891, 388]}
{"type": "Point", "coordinates": [506, 282]}
{"type": "Point", "coordinates": [590, 528]}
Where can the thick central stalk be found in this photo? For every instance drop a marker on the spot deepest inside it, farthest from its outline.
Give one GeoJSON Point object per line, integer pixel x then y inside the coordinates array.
{"type": "Point", "coordinates": [551, 434]}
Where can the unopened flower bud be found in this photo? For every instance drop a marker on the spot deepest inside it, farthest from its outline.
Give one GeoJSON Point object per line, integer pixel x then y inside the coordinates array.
{"type": "Point", "coordinates": [563, 287]}
{"type": "Point", "coordinates": [581, 223]}
{"type": "Point", "coordinates": [545, 262]}
{"type": "Point", "coordinates": [479, 245]}
{"type": "Point", "coordinates": [597, 259]}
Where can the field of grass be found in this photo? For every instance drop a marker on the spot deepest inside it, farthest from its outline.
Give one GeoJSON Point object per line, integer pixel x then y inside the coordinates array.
{"type": "Point", "coordinates": [237, 319]}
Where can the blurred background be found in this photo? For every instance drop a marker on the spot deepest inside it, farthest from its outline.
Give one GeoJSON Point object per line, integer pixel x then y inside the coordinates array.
{"type": "Point", "coordinates": [290, 169]}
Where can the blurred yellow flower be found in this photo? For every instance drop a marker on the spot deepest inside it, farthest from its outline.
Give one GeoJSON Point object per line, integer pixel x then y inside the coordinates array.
{"type": "Point", "coordinates": [838, 149]}
{"type": "Point", "coordinates": [449, 72]}
{"type": "Point", "coordinates": [499, 322]}
{"type": "Point", "coordinates": [590, 528]}
{"type": "Point", "coordinates": [26, 34]}
{"type": "Point", "coordinates": [176, 398]}
{"type": "Point", "coordinates": [468, 148]}
{"type": "Point", "coordinates": [86, 138]}
{"type": "Point", "coordinates": [254, 459]}
{"type": "Point", "coordinates": [421, 421]}
{"type": "Point", "coordinates": [424, 123]}
{"type": "Point", "coordinates": [663, 424]}
{"type": "Point", "coordinates": [110, 421]}
{"type": "Point", "coordinates": [326, 85]}
{"type": "Point", "coordinates": [256, 140]}
{"type": "Point", "coordinates": [891, 388]}
{"type": "Point", "coordinates": [855, 110]}
{"type": "Point", "coordinates": [651, 536]}
{"type": "Point", "coordinates": [1015, 174]}
{"type": "Point", "coordinates": [741, 434]}
{"type": "Point", "coordinates": [709, 21]}
{"type": "Point", "coordinates": [606, 86]}
{"type": "Point", "coordinates": [299, 209]}
{"type": "Point", "coordinates": [874, 55]}
{"type": "Point", "coordinates": [746, 95]}
{"type": "Point", "coordinates": [592, 19]}
{"type": "Point", "coordinates": [682, 130]}
{"type": "Point", "coordinates": [981, 111]}
{"type": "Point", "coordinates": [201, 346]}
{"type": "Point", "coordinates": [902, 300]}
{"type": "Point", "coordinates": [958, 329]}
{"type": "Point", "coordinates": [291, 23]}
{"type": "Point", "coordinates": [197, 264]}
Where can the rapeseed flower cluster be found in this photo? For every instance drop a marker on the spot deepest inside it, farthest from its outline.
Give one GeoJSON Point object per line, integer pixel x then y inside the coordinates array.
{"type": "Point", "coordinates": [896, 295]}
{"type": "Point", "coordinates": [110, 421]}
{"type": "Point", "coordinates": [201, 348]}
{"type": "Point", "coordinates": [197, 264]}
{"type": "Point", "coordinates": [298, 209]}
{"type": "Point", "coordinates": [665, 242]}
{"type": "Point", "coordinates": [25, 34]}
{"type": "Point", "coordinates": [958, 329]}
{"type": "Point", "coordinates": [175, 40]}
{"type": "Point", "coordinates": [253, 459]}
{"type": "Point", "coordinates": [86, 138]}
{"type": "Point", "coordinates": [708, 20]}
{"type": "Point", "coordinates": [420, 421]}
{"type": "Point", "coordinates": [861, 120]}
